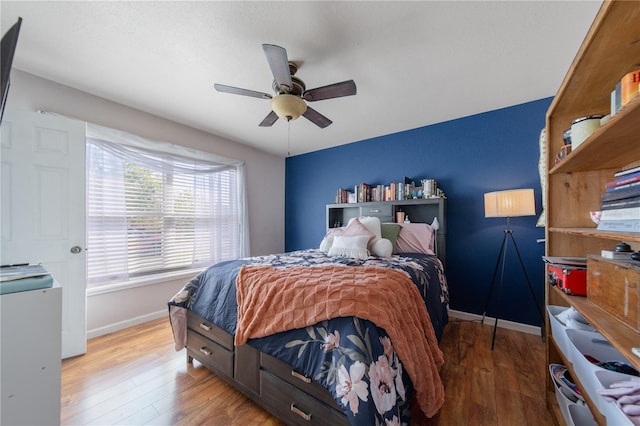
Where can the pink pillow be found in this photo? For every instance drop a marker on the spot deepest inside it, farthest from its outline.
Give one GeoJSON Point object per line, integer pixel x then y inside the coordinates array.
{"type": "Point", "coordinates": [415, 238]}
{"type": "Point", "coordinates": [357, 228]}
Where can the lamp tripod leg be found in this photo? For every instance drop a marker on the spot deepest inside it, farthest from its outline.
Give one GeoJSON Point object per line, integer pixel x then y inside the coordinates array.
{"type": "Point", "coordinates": [533, 295]}
{"type": "Point", "coordinates": [493, 278]}
{"type": "Point", "coordinates": [504, 262]}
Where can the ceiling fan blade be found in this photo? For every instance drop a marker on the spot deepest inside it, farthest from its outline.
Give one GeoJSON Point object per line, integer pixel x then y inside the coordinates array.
{"type": "Point", "coordinates": [316, 118]}
{"type": "Point", "coordinates": [269, 120]}
{"type": "Point", "coordinates": [336, 90]}
{"type": "Point", "coordinates": [238, 91]}
{"type": "Point", "coordinates": [279, 64]}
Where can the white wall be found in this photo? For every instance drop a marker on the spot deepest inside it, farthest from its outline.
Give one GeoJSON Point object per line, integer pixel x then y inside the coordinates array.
{"type": "Point", "coordinates": [265, 179]}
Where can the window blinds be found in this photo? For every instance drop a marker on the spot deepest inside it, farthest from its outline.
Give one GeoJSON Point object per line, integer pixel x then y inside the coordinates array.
{"type": "Point", "coordinates": [150, 212]}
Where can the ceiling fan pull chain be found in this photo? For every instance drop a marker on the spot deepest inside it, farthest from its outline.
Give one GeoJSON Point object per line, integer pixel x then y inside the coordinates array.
{"type": "Point", "coordinates": [288, 138]}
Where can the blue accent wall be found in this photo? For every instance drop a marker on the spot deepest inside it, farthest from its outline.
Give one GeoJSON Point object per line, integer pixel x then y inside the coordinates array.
{"type": "Point", "coordinates": [469, 156]}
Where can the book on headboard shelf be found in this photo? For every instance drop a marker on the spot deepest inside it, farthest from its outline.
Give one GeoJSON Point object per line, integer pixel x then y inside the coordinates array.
{"type": "Point", "coordinates": [394, 191]}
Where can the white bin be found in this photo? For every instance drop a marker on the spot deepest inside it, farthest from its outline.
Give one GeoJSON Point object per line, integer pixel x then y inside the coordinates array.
{"type": "Point", "coordinates": [564, 401]}
{"type": "Point", "coordinates": [610, 409]}
{"type": "Point", "coordinates": [580, 415]}
{"type": "Point", "coordinates": [595, 345]}
{"type": "Point", "coordinates": [558, 329]}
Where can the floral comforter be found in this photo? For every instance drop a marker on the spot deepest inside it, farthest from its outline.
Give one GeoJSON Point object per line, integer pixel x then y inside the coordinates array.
{"type": "Point", "coordinates": [351, 357]}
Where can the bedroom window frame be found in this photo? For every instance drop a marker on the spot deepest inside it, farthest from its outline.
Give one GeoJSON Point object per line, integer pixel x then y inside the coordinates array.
{"type": "Point", "coordinates": [157, 209]}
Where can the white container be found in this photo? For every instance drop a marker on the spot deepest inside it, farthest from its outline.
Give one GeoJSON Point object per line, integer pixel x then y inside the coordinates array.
{"type": "Point", "coordinates": [563, 402]}
{"type": "Point", "coordinates": [610, 409]}
{"type": "Point", "coordinates": [582, 127]}
{"type": "Point", "coordinates": [558, 375]}
{"type": "Point", "coordinates": [558, 329]}
{"type": "Point", "coordinates": [595, 345]}
{"type": "Point", "coordinates": [580, 415]}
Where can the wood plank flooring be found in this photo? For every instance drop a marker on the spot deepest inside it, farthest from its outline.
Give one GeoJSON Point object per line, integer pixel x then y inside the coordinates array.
{"type": "Point", "coordinates": [135, 377]}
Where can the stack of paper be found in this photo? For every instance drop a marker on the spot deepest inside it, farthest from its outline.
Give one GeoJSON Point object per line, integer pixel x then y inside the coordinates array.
{"type": "Point", "coordinates": [15, 278]}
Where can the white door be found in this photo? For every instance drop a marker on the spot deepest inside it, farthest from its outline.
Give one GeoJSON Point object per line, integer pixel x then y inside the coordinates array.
{"type": "Point", "coordinates": [43, 208]}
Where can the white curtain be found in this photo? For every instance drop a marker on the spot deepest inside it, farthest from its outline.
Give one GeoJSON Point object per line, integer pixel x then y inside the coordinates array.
{"type": "Point", "coordinates": [155, 206]}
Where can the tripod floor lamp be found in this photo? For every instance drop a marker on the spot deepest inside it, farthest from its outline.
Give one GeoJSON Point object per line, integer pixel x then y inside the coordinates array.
{"type": "Point", "coordinates": [508, 204]}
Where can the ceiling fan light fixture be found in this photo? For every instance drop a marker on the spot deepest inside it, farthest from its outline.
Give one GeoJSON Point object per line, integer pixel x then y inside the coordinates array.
{"type": "Point", "coordinates": [288, 107]}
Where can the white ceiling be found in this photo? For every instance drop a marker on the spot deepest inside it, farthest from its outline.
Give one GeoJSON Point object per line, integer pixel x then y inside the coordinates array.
{"type": "Point", "coordinates": [415, 63]}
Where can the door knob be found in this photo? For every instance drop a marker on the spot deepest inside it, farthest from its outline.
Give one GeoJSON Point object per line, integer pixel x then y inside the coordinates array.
{"type": "Point", "coordinates": [76, 249]}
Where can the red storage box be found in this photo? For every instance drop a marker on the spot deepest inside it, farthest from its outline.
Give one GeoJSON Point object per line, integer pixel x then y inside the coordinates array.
{"type": "Point", "coordinates": [570, 279]}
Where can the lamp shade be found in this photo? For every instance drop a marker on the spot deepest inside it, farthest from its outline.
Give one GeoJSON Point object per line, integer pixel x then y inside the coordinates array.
{"type": "Point", "coordinates": [509, 203]}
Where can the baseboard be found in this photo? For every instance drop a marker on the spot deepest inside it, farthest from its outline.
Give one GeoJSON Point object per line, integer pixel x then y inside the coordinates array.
{"type": "Point", "coordinates": [124, 324]}
{"type": "Point", "coordinates": [525, 328]}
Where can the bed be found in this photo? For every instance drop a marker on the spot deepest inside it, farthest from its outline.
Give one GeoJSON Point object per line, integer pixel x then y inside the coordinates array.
{"type": "Point", "coordinates": [333, 335]}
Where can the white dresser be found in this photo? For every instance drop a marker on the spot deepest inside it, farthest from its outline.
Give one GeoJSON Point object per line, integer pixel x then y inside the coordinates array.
{"type": "Point", "coordinates": [30, 356]}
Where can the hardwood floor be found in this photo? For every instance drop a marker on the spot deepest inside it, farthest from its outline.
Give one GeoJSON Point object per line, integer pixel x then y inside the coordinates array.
{"type": "Point", "coordinates": [135, 377]}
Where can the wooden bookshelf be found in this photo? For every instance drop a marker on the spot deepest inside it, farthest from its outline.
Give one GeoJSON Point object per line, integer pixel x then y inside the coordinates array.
{"type": "Point", "coordinates": [574, 187]}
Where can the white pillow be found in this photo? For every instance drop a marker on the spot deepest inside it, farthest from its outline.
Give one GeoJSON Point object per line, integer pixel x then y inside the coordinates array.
{"type": "Point", "coordinates": [326, 243]}
{"type": "Point", "coordinates": [382, 247]}
{"type": "Point", "coordinates": [350, 246]}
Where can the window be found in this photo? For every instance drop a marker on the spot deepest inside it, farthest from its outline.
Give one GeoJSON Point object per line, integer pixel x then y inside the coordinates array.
{"type": "Point", "coordinates": [151, 212]}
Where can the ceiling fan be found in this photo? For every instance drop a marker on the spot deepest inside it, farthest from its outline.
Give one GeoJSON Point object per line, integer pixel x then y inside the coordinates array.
{"type": "Point", "coordinates": [291, 96]}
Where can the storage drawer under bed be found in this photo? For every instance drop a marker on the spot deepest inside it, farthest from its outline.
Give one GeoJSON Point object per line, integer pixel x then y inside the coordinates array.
{"type": "Point", "coordinates": [209, 353]}
{"type": "Point", "coordinates": [299, 380]}
{"type": "Point", "coordinates": [209, 330]}
{"type": "Point", "coordinates": [294, 407]}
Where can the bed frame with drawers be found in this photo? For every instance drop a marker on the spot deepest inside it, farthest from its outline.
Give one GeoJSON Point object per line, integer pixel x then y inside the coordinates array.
{"type": "Point", "coordinates": [289, 395]}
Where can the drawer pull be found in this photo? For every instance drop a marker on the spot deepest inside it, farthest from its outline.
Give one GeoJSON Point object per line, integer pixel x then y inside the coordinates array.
{"type": "Point", "coordinates": [206, 351]}
{"type": "Point", "coordinates": [299, 412]}
{"type": "Point", "coordinates": [374, 210]}
{"type": "Point", "coordinates": [299, 376]}
{"type": "Point", "coordinates": [205, 326]}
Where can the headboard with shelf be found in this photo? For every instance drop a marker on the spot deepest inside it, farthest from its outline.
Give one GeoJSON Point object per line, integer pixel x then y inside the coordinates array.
{"type": "Point", "coordinates": [418, 210]}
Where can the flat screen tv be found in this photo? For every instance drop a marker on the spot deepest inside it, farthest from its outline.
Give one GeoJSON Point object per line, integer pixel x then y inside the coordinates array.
{"type": "Point", "coordinates": [9, 43]}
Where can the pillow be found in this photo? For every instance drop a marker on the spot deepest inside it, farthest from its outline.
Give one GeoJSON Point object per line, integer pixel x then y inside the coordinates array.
{"type": "Point", "coordinates": [372, 223]}
{"type": "Point", "coordinates": [382, 247]}
{"type": "Point", "coordinates": [415, 238]}
{"type": "Point", "coordinates": [390, 232]}
{"type": "Point", "coordinates": [327, 241]}
{"type": "Point", "coordinates": [350, 246]}
{"type": "Point", "coordinates": [326, 244]}
{"type": "Point", "coordinates": [355, 227]}
{"type": "Point", "coordinates": [542, 171]}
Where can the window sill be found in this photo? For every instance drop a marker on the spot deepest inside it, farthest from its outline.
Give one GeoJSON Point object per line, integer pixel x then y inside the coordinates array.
{"type": "Point", "coordinates": [144, 281]}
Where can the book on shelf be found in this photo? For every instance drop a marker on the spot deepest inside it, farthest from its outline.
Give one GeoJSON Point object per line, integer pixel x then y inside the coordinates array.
{"type": "Point", "coordinates": [620, 204]}
{"type": "Point", "coordinates": [629, 190]}
{"type": "Point", "coordinates": [623, 180]}
{"type": "Point", "coordinates": [627, 171]}
{"type": "Point", "coordinates": [619, 255]}
{"type": "Point", "coordinates": [621, 214]}
{"type": "Point", "coordinates": [630, 225]}
{"type": "Point", "coordinates": [363, 192]}
{"type": "Point", "coordinates": [616, 99]}
{"type": "Point", "coordinates": [623, 187]}
{"type": "Point", "coordinates": [343, 196]}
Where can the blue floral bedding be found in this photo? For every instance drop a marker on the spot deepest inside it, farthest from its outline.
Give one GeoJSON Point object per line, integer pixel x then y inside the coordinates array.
{"type": "Point", "coordinates": [351, 357]}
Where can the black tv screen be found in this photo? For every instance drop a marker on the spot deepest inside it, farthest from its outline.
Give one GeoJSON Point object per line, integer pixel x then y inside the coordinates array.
{"type": "Point", "coordinates": [9, 43]}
